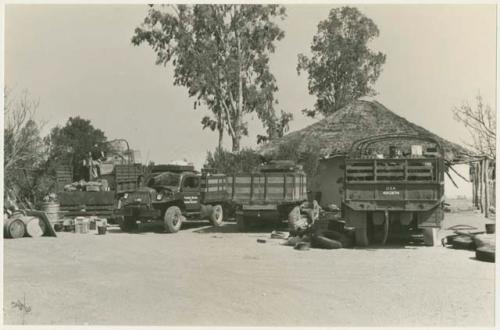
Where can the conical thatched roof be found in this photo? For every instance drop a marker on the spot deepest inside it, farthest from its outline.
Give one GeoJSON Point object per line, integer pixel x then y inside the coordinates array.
{"type": "Point", "coordinates": [336, 133]}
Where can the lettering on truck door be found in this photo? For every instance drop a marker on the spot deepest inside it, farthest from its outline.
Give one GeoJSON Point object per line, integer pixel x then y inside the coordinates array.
{"type": "Point", "coordinates": [191, 192]}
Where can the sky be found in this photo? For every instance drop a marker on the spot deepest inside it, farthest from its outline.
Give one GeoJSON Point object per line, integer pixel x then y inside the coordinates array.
{"type": "Point", "coordinates": [77, 60]}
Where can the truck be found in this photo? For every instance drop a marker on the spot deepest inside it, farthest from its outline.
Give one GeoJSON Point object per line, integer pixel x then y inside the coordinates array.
{"type": "Point", "coordinates": [274, 192]}
{"type": "Point", "coordinates": [398, 193]}
{"type": "Point", "coordinates": [172, 194]}
{"type": "Point", "coordinates": [118, 172]}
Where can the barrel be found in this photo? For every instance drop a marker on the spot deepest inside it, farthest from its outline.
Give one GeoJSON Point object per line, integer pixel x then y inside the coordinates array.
{"type": "Point", "coordinates": [52, 211]}
{"type": "Point", "coordinates": [34, 226]}
{"type": "Point", "coordinates": [13, 227]}
{"type": "Point", "coordinates": [490, 228]}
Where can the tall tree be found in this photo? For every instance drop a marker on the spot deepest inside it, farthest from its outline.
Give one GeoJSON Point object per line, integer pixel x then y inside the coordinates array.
{"type": "Point", "coordinates": [342, 68]}
{"type": "Point", "coordinates": [221, 54]}
{"type": "Point", "coordinates": [481, 122]}
{"type": "Point", "coordinates": [72, 143]}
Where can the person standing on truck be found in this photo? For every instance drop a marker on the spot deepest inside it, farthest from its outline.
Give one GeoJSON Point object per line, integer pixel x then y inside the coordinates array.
{"type": "Point", "coordinates": [96, 156]}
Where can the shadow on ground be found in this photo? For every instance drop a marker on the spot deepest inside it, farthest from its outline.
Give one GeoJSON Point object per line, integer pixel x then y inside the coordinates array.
{"type": "Point", "coordinates": [232, 228]}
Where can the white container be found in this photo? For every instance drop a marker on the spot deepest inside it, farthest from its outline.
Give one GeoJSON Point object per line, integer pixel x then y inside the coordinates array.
{"type": "Point", "coordinates": [416, 150]}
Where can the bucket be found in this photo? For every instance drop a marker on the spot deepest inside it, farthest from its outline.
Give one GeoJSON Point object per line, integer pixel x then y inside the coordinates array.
{"type": "Point", "coordinates": [101, 230]}
{"type": "Point", "coordinates": [68, 224]}
{"type": "Point", "coordinates": [81, 225]}
{"type": "Point", "coordinates": [52, 211]}
{"type": "Point", "coordinates": [92, 224]}
{"type": "Point", "coordinates": [490, 228]}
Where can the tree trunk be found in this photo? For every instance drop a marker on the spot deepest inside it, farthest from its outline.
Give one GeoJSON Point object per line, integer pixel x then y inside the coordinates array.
{"type": "Point", "coordinates": [239, 107]}
{"type": "Point", "coordinates": [236, 141]}
{"type": "Point", "coordinates": [220, 127]}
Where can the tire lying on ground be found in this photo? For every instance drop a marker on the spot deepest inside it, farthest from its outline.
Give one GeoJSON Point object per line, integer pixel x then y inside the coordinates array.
{"type": "Point", "coordinates": [321, 242]}
{"type": "Point", "coordinates": [463, 243]}
{"type": "Point", "coordinates": [345, 240]}
{"type": "Point", "coordinates": [485, 254]}
{"type": "Point", "coordinates": [485, 240]}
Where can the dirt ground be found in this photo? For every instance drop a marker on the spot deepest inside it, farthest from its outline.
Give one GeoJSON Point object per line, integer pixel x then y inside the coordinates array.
{"type": "Point", "coordinates": [205, 276]}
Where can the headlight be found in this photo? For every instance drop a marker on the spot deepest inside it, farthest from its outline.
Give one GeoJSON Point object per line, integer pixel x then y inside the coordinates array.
{"type": "Point", "coordinates": [125, 196]}
{"type": "Point", "coordinates": [159, 197]}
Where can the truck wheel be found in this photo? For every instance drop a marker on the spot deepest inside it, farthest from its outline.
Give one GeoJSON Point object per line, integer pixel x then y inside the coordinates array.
{"type": "Point", "coordinates": [241, 222]}
{"type": "Point", "coordinates": [361, 236]}
{"type": "Point", "coordinates": [173, 219]}
{"type": "Point", "coordinates": [127, 224]}
{"type": "Point", "coordinates": [217, 215]}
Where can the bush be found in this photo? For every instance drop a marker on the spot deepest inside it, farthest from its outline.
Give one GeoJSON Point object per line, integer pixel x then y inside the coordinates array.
{"type": "Point", "coordinates": [223, 161]}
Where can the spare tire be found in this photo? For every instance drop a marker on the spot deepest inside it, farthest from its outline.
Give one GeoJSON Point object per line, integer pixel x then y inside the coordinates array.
{"type": "Point", "coordinates": [321, 242]}
{"type": "Point", "coordinates": [485, 254]}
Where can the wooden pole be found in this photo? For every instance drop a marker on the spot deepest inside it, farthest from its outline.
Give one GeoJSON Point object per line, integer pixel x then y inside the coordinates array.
{"type": "Point", "coordinates": [486, 189]}
{"type": "Point", "coordinates": [472, 170]}
{"type": "Point", "coordinates": [476, 185]}
{"type": "Point", "coordinates": [480, 180]}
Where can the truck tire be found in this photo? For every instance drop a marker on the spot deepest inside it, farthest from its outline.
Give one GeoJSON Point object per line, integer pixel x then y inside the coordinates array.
{"type": "Point", "coordinates": [322, 242]}
{"type": "Point", "coordinates": [217, 215]}
{"type": "Point", "coordinates": [127, 224]}
{"type": "Point", "coordinates": [173, 219]}
{"type": "Point", "coordinates": [361, 236]}
{"type": "Point", "coordinates": [241, 223]}
{"type": "Point", "coordinates": [485, 253]}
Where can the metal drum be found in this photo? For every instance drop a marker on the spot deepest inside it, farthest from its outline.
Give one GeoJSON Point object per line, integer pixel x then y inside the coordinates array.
{"type": "Point", "coordinates": [52, 211]}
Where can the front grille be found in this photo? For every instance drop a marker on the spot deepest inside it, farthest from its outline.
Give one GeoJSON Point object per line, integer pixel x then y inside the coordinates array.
{"type": "Point", "coordinates": [138, 197]}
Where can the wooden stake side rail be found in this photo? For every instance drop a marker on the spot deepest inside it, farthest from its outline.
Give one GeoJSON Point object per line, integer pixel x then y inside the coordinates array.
{"type": "Point", "coordinates": [377, 170]}
{"type": "Point", "coordinates": [267, 187]}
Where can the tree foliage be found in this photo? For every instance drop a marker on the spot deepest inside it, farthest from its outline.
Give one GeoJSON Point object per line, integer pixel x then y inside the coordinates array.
{"type": "Point", "coordinates": [342, 68]}
{"type": "Point", "coordinates": [223, 161]}
{"type": "Point", "coordinates": [24, 150]}
{"type": "Point", "coordinates": [481, 122]}
{"type": "Point", "coordinates": [220, 53]}
{"type": "Point", "coordinates": [72, 143]}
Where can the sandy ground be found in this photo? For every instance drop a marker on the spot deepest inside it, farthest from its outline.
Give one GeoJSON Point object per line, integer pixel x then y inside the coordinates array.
{"type": "Point", "coordinates": [205, 276]}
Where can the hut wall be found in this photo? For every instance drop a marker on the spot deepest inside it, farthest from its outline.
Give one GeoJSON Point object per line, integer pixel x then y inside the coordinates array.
{"type": "Point", "coordinates": [327, 184]}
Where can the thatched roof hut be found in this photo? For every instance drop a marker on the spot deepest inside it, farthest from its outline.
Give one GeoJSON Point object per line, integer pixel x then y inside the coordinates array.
{"type": "Point", "coordinates": [335, 134]}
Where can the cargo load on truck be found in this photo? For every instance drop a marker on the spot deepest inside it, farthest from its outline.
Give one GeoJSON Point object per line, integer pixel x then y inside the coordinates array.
{"type": "Point", "coordinates": [109, 176]}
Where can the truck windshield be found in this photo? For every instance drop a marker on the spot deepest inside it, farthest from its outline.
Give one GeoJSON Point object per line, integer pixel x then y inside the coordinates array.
{"type": "Point", "coordinates": [164, 179]}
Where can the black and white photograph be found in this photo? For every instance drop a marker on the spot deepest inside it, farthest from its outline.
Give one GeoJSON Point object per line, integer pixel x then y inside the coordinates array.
{"type": "Point", "coordinates": [228, 164]}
